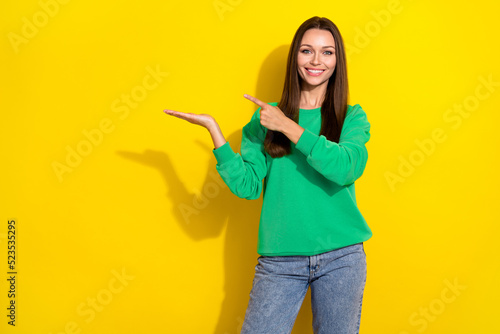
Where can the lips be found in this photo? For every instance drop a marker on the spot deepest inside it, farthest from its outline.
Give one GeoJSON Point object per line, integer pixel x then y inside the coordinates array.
{"type": "Point", "coordinates": [314, 71]}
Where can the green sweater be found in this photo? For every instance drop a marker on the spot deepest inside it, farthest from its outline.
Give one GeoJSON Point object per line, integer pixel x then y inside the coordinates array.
{"type": "Point", "coordinates": [309, 202]}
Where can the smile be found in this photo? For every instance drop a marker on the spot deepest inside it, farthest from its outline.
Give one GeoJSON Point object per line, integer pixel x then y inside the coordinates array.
{"type": "Point", "coordinates": [314, 72]}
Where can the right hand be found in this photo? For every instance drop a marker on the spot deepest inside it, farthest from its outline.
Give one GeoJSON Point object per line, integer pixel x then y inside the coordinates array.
{"type": "Point", "coordinates": [204, 120]}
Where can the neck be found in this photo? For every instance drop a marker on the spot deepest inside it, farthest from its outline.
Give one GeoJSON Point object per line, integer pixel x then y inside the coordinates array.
{"type": "Point", "coordinates": [312, 97]}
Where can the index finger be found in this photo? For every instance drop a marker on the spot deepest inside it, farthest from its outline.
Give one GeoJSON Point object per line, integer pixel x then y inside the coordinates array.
{"type": "Point", "coordinates": [255, 100]}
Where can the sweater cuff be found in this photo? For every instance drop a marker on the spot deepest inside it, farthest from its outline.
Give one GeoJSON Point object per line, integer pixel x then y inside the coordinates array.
{"type": "Point", "coordinates": [223, 153]}
{"type": "Point", "coordinates": [306, 142]}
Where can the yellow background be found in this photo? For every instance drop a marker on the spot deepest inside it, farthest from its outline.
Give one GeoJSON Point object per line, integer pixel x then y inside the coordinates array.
{"type": "Point", "coordinates": [145, 202]}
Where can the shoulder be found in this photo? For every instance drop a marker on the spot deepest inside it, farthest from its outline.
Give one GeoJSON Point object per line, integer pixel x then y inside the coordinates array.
{"type": "Point", "coordinates": [355, 113]}
{"type": "Point", "coordinates": [356, 120]}
{"type": "Point", "coordinates": [354, 110]}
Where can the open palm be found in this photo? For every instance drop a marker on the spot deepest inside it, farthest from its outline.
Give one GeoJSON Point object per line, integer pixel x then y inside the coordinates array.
{"type": "Point", "coordinates": [204, 120]}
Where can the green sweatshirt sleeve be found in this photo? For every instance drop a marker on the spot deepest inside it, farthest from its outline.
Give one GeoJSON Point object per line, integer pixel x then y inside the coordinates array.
{"type": "Point", "coordinates": [244, 173]}
{"type": "Point", "coordinates": [343, 162]}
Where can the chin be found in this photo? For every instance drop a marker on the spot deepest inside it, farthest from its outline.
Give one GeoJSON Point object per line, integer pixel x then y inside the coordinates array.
{"type": "Point", "coordinates": [314, 82]}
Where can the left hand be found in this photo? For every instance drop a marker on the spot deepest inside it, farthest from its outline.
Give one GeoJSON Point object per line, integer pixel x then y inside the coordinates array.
{"type": "Point", "coordinates": [270, 116]}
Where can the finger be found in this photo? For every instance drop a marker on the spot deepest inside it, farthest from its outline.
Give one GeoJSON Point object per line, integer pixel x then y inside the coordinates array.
{"type": "Point", "coordinates": [255, 100]}
{"type": "Point", "coordinates": [175, 113]}
{"type": "Point", "coordinates": [182, 115]}
{"type": "Point", "coordinates": [171, 112]}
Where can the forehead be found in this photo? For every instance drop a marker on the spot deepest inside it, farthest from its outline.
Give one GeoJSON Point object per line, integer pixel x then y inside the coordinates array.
{"type": "Point", "coordinates": [318, 37]}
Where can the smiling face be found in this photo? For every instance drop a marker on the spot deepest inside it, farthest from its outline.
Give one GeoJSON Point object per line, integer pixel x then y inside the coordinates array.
{"type": "Point", "coordinates": [316, 59]}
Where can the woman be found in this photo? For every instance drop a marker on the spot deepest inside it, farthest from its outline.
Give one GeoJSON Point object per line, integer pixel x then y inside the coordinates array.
{"type": "Point", "coordinates": [309, 149]}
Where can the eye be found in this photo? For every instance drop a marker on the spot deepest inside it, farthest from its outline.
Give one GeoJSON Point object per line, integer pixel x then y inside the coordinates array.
{"type": "Point", "coordinates": [308, 51]}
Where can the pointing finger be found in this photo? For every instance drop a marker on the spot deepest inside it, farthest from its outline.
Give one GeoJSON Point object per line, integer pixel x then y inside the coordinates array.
{"type": "Point", "coordinates": [255, 100]}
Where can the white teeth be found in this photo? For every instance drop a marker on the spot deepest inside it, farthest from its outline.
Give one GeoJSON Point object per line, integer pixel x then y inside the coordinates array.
{"type": "Point", "coordinates": [315, 71]}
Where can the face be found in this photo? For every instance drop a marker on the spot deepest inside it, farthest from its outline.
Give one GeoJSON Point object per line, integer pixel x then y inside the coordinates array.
{"type": "Point", "coordinates": [316, 59]}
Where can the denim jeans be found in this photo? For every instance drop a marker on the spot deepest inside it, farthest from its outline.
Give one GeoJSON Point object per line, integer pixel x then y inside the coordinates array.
{"type": "Point", "coordinates": [337, 279]}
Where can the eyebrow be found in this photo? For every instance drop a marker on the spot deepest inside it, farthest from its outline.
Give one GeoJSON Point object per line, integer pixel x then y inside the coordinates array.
{"type": "Point", "coordinates": [328, 46]}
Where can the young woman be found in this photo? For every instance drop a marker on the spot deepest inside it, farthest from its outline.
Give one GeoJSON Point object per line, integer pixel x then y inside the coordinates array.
{"type": "Point", "coordinates": [309, 149]}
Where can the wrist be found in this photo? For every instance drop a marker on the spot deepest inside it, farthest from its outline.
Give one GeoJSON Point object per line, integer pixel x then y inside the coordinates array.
{"type": "Point", "coordinates": [217, 136]}
{"type": "Point", "coordinates": [213, 127]}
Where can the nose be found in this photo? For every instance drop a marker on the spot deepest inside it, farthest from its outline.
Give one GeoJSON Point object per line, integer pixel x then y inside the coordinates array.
{"type": "Point", "coordinates": [315, 60]}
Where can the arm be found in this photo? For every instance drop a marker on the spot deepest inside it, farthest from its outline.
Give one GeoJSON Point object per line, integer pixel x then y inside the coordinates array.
{"type": "Point", "coordinates": [216, 134]}
{"type": "Point", "coordinates": [343, 162]}
{"type": "Point", "coordinates": [244, 173]}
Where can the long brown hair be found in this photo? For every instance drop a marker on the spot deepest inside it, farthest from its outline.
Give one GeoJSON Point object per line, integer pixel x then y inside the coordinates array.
{"type": "Point", "coordinates": [334, 106]}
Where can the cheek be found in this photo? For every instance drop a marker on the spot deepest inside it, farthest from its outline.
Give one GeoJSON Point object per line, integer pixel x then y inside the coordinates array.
{"type": "Point", "coordinates": [301, 60]}
{"type": "Point", "coordinates": [331, 63]}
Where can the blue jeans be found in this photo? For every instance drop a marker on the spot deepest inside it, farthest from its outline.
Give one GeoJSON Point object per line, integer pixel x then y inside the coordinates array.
{"type": "Point", "coordinates": [337, 279]}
